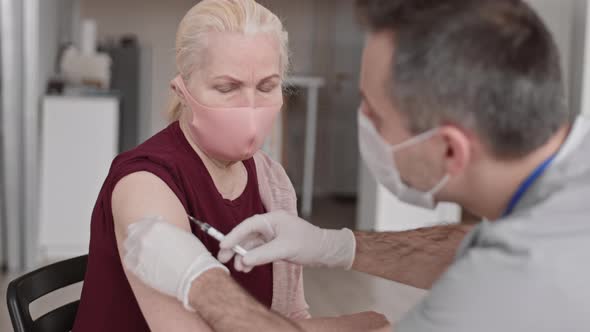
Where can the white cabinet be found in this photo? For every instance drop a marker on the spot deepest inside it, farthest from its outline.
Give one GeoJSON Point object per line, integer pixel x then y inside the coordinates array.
{"type": "Point", "coordinates": [78, 143]}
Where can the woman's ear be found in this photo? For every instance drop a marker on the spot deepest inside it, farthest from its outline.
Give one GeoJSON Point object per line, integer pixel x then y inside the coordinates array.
{"type": "Point", "coordinates": [458, 149]}
{"type": "Point", "coordinates": [174, 85]}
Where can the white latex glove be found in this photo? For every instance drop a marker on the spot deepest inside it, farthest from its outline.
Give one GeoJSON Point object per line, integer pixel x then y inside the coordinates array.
{"type": "Point", "coordinates": [166, 258]}
{"type": "Point", "coordinates": [279, 236]}
{"type": "Point", "coordinates": [252, 242]}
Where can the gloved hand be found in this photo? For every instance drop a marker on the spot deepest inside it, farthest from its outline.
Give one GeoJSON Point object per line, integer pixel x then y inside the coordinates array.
{"type": "Point", "coordinates": [166, 258]}
{"type": "Point", "coordinates": [280, 236]}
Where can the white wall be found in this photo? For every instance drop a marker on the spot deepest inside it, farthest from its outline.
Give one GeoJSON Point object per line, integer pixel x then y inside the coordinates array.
{"type": "Point", "coordinates": [582, 15]}
{"type": "Point", "coordinates": [579, 71]}
{"type": "Point", "coordinates": [155, 23]}
{"type": "Point", "coordinates": [49, 39]}
{"type": "Point", "coordinates": [566, 19]}
{"type": "Point", "coordinates": [344, 40]}
{"type": "Point", "coordinates": [557, 15]}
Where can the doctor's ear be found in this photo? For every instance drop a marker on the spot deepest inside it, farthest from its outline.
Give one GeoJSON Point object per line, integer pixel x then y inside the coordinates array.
{"type": "Point", "coordinates": [459, 144]}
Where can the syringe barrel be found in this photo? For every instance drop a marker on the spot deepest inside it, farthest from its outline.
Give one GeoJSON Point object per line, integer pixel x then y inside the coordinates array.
{"type": "Point", "coordinates": [217, 235]}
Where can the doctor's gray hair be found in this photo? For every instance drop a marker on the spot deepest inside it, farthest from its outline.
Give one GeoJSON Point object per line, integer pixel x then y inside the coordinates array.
{"type": "Point", "coordinates": [487, 65]}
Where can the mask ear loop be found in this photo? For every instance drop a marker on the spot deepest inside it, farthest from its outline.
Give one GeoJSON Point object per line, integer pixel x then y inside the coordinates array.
{"type": "Point", "coordinates": [440, 185]}
{"type": "Point", "coordinates": [414, 140]}
{"type": "Point", "coordinates": [179, 82]}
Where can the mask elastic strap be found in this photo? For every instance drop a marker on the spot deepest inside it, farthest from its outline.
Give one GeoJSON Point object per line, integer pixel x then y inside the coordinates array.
{"type": "Point", "coordinates": [180, 84]}
{"type": "Point", "coordinates": [440, 185]}
{"type": "Point", "coordinates": [414, 140]}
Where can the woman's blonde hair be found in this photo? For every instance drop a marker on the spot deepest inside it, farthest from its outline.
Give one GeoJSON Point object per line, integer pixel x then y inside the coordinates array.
{"type": "Point", "coordinates": [237, 16]}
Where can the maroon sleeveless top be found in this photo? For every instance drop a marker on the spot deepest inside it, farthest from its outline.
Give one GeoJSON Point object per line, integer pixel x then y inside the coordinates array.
{"type": "Point", "coordinates": [107, 302]}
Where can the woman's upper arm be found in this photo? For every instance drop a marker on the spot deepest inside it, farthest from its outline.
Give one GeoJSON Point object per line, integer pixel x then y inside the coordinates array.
{"type": "Point", "coordinates": [134, 197]}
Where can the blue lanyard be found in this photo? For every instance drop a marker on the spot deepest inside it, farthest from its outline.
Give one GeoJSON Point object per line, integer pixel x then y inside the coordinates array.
{"type": "Point", "coordinates": [535, 175]}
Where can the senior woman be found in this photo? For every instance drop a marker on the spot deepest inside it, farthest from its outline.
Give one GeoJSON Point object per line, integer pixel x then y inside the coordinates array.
{"type": "Point", "coordinates": [232, 58]}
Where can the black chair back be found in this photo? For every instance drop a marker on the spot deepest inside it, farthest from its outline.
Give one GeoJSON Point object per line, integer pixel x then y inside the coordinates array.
{"type": "Point", "coordinates": [32, 286]}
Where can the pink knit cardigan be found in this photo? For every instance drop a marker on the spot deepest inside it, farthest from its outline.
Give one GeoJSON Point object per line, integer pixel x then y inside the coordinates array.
{"type": "Point", "coordinates": [277, 193]}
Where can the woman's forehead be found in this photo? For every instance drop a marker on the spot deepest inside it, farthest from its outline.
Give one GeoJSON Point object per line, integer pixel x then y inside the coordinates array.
{"type": "Point", "coordinates": [242, 55]}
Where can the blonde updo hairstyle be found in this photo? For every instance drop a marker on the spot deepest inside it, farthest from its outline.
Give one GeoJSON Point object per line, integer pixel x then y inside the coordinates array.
{"type": "Point", "coordinates": [235, 16]}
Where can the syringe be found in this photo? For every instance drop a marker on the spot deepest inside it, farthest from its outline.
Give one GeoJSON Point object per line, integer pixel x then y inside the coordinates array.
{"type": "Point", "coordinates": [217, 235]}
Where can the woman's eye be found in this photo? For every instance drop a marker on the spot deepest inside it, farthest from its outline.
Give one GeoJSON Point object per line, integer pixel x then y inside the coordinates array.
{"type": "Point", "coordinates": [268, 87]}
{"type": "Point", "coordinates": [225, 88]}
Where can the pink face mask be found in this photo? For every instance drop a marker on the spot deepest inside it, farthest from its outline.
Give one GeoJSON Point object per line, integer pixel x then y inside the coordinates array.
{"type": "Point", "coordinates": [228, 133]}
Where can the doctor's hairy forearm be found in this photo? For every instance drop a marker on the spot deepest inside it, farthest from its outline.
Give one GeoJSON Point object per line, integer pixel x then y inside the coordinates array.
{"type": "Point", "coordinates": [416, 258]}
{"type": "Point", "coordinates": [227, 307]}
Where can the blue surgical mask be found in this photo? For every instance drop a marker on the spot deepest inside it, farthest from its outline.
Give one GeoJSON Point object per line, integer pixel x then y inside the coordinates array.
{"type": "Point", "coordinates": [379, 157]}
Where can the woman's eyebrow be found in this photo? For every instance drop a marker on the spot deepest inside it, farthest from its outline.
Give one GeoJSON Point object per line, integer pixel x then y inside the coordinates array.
{"type": "Point", "coordinates": [228, 77]}
{"type": "Point", "coordinates": [231, 78]}
{"type": "Point", "coordinates": [271, 77]}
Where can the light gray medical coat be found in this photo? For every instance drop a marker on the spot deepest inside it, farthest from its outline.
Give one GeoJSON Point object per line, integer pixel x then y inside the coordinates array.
{"type": "Point", "coordinates": [529, 271]}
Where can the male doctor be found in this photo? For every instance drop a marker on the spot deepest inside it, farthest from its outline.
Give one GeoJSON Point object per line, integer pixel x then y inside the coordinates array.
{"type": "Point", "coordinates": [463, 101]}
